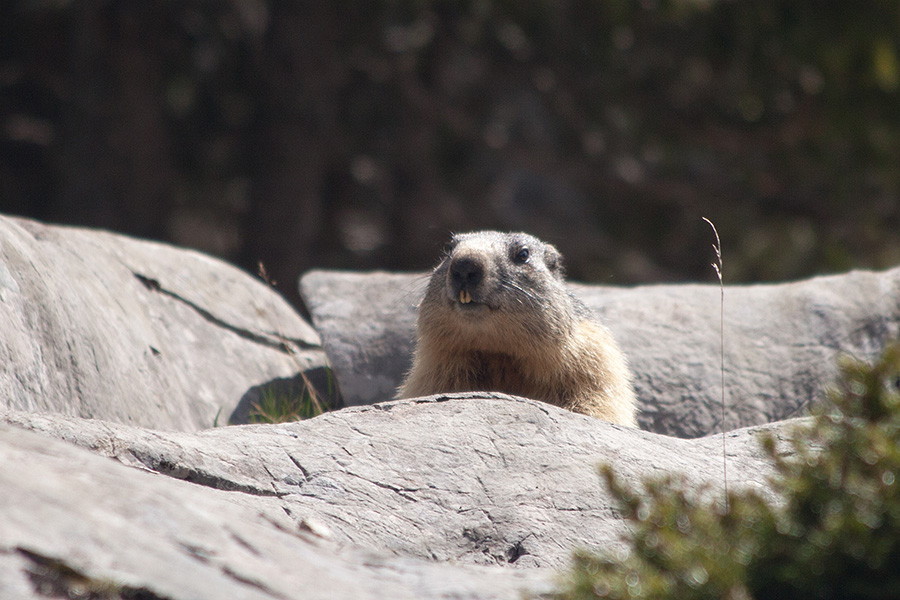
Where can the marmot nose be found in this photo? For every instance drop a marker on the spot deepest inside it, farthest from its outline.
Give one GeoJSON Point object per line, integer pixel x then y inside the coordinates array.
{"type": "Point", "coordinates": [466, 271]}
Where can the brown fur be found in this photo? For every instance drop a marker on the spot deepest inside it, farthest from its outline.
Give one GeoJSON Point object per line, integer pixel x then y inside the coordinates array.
{"type": "Point", "coordinates": [491, 321]}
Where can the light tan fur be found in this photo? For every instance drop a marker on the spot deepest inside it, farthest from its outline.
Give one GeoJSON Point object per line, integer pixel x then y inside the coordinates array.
{"type": "Point", "coordinates": [515, 330]}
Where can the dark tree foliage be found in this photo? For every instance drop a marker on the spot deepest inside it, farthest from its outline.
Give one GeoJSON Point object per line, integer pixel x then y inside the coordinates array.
{"type": "Point", "coordinates": [358, 134]}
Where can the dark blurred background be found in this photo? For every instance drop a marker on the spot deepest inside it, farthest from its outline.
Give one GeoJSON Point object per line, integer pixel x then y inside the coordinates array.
{"type": "Point", "coordinates": [359, 134]}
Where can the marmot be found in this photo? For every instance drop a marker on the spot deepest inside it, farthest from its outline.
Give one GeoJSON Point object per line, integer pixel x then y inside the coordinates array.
{"type": "Point", "coordinates": [497, 316]}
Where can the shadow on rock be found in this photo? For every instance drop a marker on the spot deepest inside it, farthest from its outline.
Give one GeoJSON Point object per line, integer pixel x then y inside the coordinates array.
{"type": "Point", "coordinates": [307, 394]}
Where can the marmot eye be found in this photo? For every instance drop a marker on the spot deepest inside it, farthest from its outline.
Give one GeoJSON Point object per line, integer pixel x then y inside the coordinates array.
{"type": "Point", "coordinates": [522, 255]}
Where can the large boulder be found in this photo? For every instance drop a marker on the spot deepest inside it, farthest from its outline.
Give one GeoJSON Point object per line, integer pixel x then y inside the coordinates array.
{"type": "Point", "coordinates": [480, 479]}
{"type": "Point", "coordinates": [781, 340]}
{"type": "Point", "coordinates": [94, 324]}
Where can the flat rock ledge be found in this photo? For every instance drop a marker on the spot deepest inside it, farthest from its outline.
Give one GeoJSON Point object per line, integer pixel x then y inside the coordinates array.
{"type": "Point", "coordinates": [76, 523]}
{"type": "Point", "coordinates": [454, 496]}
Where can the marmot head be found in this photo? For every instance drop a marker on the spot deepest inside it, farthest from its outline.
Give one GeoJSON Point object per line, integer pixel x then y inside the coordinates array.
{"type": "Point", "coordinates": [495, 291]}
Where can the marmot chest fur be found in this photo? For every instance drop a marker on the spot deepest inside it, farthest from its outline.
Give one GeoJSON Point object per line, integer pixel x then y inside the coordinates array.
{"type": "Point", "coordinates": [497, 316]}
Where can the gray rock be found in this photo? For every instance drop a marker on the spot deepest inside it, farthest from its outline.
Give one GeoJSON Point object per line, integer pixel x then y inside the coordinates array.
{"type": "Point", "coordinates": [468, 479]}
{"type": "Point", "coordinates": [99, 325]}
{"type": "Point", "coordinates": [367, 323]}
{"type": "Point", "coordinates": [781, 340]}
{"type": "Point", "coordinates": [75, 523]}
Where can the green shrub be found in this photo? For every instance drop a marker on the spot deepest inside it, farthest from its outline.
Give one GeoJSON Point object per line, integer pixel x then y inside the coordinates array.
{"type": "Point", "coordinates": [835, 534]}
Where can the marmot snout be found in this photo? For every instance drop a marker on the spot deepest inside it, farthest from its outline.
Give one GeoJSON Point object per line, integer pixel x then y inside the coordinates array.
{"type": "Point", "coordinates": [497, 316]}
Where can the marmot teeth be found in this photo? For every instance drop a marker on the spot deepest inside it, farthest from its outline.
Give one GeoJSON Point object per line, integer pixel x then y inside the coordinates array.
{"type": "Point", "coordinates": [464, 297]}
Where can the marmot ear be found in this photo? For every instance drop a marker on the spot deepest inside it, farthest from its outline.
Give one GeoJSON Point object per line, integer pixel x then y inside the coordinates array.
{"type": "Point", "coordinates": [553, 260]}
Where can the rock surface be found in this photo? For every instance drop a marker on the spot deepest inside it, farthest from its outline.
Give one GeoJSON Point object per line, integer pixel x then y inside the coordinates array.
{"type": "Point", "coordinates": [467, 479]}
{"type": "Point", "coordinates": [781, 340]}
{"type": "Point", "coordinates": [94, 324]}
{"type": "Point", "coordinates": [75, 524]}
